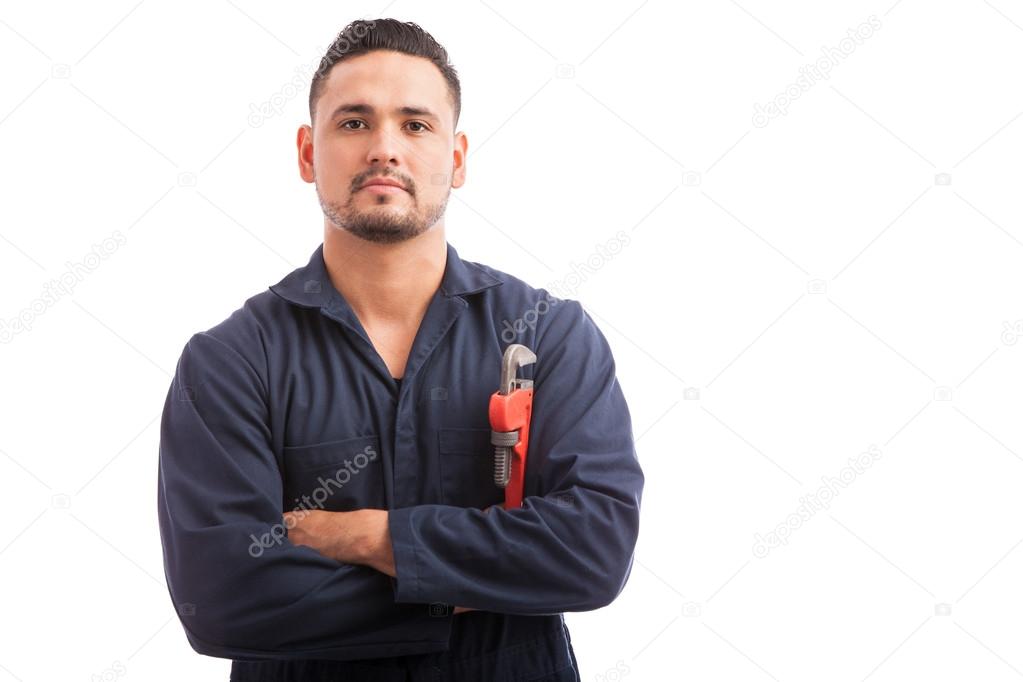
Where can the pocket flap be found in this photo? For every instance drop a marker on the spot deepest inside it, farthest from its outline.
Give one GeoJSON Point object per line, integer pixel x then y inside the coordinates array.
{"type": "Point", "coordinates": [319, 455]}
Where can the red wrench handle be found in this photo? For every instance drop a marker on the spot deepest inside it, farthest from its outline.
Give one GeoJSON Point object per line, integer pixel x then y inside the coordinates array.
{"type": "Point", "coordinates": [511, 412]}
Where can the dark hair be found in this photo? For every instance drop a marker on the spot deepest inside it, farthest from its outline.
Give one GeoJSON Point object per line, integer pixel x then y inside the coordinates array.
{"type": "Point", "coordinates": [362, 36]}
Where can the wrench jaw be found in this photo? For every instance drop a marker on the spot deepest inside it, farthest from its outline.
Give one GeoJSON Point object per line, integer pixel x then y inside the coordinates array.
{"type": "Point", "coordinates": [516, 355]}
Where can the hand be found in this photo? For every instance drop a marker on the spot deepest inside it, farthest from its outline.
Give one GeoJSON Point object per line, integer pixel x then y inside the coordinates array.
{"type": "Point", "coordinates": [355, 537]}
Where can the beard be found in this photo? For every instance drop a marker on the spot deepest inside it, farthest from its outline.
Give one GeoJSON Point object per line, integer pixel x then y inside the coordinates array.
{"type": "Point", "coordinates": [383, 226]}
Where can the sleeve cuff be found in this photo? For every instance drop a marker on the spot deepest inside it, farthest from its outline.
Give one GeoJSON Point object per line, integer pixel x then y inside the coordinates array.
{"type": "Point", "coordinates": [406, 583]}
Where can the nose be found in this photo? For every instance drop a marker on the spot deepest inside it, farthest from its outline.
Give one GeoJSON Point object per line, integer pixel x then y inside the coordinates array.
{"type": "Point", "coordinates": [384, 148]}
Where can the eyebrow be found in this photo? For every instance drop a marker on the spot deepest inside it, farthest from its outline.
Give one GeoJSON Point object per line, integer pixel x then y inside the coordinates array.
{"type": "Point", "coordinates": [361, 108]}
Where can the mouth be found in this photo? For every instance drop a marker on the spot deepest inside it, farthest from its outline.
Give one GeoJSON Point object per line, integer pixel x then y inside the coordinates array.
{"type": "Point", "coordinates": [383, 183]}
{"type": "Point", "coordinates": [380, 188]}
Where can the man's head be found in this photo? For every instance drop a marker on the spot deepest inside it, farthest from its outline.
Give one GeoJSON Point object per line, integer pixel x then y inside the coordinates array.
{"type": "Point", "coordinates": [383, 105]}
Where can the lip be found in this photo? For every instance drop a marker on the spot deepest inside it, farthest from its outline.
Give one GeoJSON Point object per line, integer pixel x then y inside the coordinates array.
{"type": "Point", "coordinates": [382, 189]}
{"type": "Point", "coordinates": [383, 185]}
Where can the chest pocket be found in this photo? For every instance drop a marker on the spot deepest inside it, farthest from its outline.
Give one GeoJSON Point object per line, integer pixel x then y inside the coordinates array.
{"type": "Point", "coordinates": [340, 475]}
{"type": "Point", "coordinates": [467, 468]}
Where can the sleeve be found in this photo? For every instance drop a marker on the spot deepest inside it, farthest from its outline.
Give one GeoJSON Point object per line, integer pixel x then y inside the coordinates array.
{"type": "Point", "coordinates": [569, 547]}
{"type": "Point", "coordinates": [242, 590]}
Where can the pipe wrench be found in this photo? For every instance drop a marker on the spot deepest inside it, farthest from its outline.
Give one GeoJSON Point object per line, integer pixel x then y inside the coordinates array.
{"type": "Point", "coordinates": [510, 410]}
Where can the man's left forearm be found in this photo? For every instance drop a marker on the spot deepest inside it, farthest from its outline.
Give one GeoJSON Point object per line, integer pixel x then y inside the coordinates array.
{"type": "Point", "coordinates": [377, 550]}
{"type": "Point", "coordinates": [355, 537]}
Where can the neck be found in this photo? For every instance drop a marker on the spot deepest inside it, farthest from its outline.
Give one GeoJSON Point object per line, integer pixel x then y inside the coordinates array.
{"type": "Point", "coordinates": [386, 284]}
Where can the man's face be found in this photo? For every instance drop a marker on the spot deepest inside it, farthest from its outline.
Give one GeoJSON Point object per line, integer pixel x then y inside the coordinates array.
{"type": "Point", "coordinates": [383, 116]}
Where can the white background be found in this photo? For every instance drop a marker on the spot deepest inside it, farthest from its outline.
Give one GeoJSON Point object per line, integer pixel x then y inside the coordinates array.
{"type": "Point", "coordinates": [845, 277]}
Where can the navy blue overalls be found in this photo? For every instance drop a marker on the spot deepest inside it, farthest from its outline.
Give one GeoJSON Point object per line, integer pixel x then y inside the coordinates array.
{"type": "Point", "coordinates": [287, 405]}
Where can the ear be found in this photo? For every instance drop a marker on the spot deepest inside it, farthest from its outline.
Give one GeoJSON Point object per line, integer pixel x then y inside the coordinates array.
{"type": "Point", "coordinates": [305, 153]}
{"type": "Point", "coordinates": [458, 161]}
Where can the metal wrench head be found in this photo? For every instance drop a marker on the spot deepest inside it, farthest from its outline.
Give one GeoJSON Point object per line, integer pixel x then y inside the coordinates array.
{"type": "Point", "coordinates": [516, 355]}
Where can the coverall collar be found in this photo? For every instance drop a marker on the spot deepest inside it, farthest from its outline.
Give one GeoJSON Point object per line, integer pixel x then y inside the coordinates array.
{"type": "Point", "coordinates": [310, 286]}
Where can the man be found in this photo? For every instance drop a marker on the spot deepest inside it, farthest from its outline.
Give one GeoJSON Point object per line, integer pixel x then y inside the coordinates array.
{"type": "Point", "coordinates": [326, 494]}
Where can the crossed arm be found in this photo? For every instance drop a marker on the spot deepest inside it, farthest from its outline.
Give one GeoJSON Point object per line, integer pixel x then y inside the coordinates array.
{"type": "Point", "coordinates": [355, 537]}
{"type": "Point", "coordinates": [220, 489]}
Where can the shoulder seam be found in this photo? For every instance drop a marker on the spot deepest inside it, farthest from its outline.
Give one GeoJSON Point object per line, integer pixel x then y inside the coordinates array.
{"type": "Point", "coordinates": [245, 360]}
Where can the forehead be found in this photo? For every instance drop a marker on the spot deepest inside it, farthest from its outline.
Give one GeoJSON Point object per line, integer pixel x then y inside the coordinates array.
{"type": "Point", "coordinates": [386, 80]}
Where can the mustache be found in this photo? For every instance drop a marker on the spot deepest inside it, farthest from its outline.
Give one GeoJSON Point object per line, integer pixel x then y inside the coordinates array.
{"type": "Point", "coordinates": [406, 183]}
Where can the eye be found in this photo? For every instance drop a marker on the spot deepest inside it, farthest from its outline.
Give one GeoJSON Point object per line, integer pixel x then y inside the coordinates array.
{"type": "Point", "coordinates": [418, 123]}
{"type": "Point", "coordinates": [345, 124]}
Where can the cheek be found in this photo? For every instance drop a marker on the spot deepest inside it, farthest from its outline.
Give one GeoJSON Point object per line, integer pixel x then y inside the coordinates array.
{"type": "Point", "coordinates": [435, 181]}
{"type": "Point", "coordinates": [439, 185]}
{"type": "Point", "coordinates": [337, 165]}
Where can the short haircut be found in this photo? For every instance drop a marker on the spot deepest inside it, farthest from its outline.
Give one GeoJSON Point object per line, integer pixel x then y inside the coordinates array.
{"type": "Point", "coordinates": [363, 36]}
